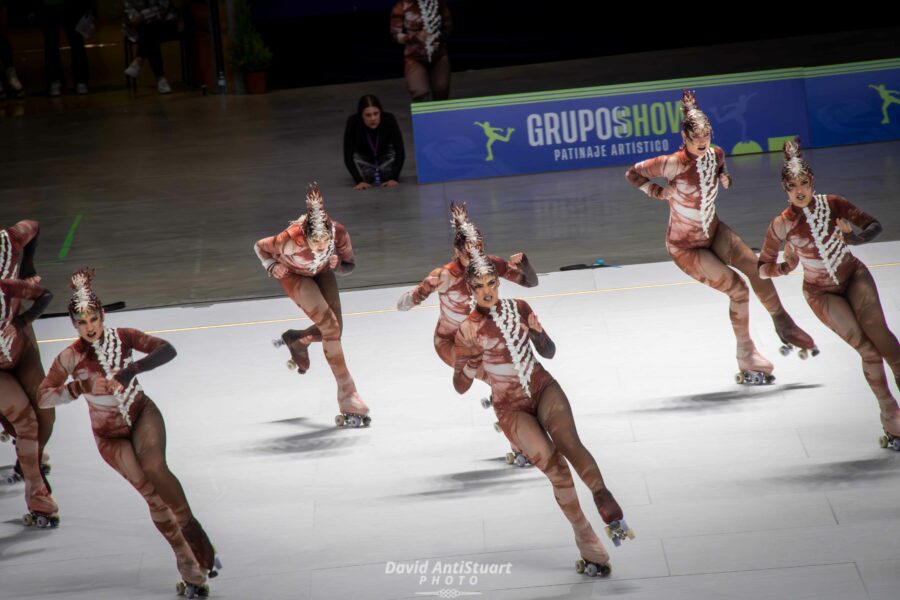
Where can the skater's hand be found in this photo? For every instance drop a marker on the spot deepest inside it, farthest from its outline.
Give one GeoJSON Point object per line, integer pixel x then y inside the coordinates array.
{"type": "Point", "coordinates": [362, 185]}
{"type": "Point", "coordinates": [791, 259]}
{"type": "Point", "coordinates": [725, 180]}
{"type": "Point", "coordinates": [279, 271]}
{"type": "Point", "coordinates": [390, 183]}
{"type": "Point", "coordinates": [534, 324]}
{"type": "Point", "coordinates": [406, 301]}
{"type": "Point", "coordinates": [334, 261]}
{"type": "Point", "coordinates": [844, 225]}
{"type": "Point", "coordinates": [124, 377]}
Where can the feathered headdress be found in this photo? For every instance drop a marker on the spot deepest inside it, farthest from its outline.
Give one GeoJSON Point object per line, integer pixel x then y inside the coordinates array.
{"type": "Point", "coordinates": [693, 120]}
{"type": "Point", "coordinates": [84, 300]}
{"type": "Point", "coordinates": [316, 222]}
{"type": "Point", "coordinates": [794, 166]}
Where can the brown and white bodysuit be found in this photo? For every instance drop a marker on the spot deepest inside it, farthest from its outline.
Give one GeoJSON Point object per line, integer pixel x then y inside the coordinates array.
{"type": "Point", "coordinates": [130, 434]}
{"type": "Point", "coordinates": [312, 286]}
{"type": "Point", "coordinates": [532, 409]}
{"type": "Point", "coordinates": [838, 287]}
{"type": "Point", "coordinates": [704, 247]}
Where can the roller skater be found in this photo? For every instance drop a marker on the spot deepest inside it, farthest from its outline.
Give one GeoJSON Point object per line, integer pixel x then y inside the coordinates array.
{"type": "Point", "coordinates": [706, 248]}
{"type": "Point", "coordinates": [839, 289]}
{"type": "Point", "coordinates": [128, 427]}
{"type": "Point", "coordinates": [304, 258]}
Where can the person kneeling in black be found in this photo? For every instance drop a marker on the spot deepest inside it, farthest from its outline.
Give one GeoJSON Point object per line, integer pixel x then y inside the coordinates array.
{"type": "Point", "coordinates": [373, 146]}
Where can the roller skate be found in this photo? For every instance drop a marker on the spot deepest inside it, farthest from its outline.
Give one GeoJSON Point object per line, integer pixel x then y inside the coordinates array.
{"type": "Point", "coordinates": [594, 559]}
{"type": "Point", "coordinates": [201, 548]}
{"type": "Point", "coordinates": [43, 512]}
{"type": "Point", "coordinates": [299, 360]}
{"type": "Point", "coordinates": [889, 441]}
{"type": "Point", "coordinates": [793, 337]}
{"type": "Point", "coordinates": [354, 412]}
{"type": "Point", "coordinates": [189, 590]}
{"type": "Point", "coordinates": [754, 368]}
{"type": "Point", "coordinates": [616, 528]}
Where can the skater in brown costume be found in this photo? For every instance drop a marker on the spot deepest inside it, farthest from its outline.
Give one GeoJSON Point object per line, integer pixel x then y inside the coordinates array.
{"type": "Point", "coordinates": [304, 258]}
{"type": "Point", "coordinates": [817, 229]}
{"type": "Point", "coordinates": [128, 427]}
{"type": "Point", "coordinates": [706, 248]}
{"type": "Point", "coordinates": [531, 407]}
{"type": "Point", "coordinates": [14, 402]}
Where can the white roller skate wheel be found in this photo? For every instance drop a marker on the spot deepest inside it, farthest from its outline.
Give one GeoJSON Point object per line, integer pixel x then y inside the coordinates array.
{"type": "Point", "coordinates": [521, 461]}
{"type": "Point", "coordinates": [883, 441]}
{"type": "Point", "coordinates": [739, 378]}
{"type": "Point", "coordinates": [354, 421]}
{"type": "Point", "coordinates": [486, 403]}
{"type": "Point", "coordinates": [579, 566]}
{"type": "Point", "coordinates": [803, 354]}
{"type": "Point", "coordinates": [785, 350]}
{"type": "Point", "coordinates": [179, 588]}
{"type": "Point", "coordinates": [339, 420]}
{"type": "Point", "coordinates": [591, 570]}
{"type": "Point", "coordinates": [27, 519]}
{"type": "Point", "coordinates": [497, 427]}
{"type": "Point", "coordinates": [290, 364]}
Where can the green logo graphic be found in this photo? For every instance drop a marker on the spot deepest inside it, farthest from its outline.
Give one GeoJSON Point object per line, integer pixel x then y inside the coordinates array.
{"type": "Point", "coordinates": [888, 97]}
{"type": "Point", "coordinates": [493, 134]}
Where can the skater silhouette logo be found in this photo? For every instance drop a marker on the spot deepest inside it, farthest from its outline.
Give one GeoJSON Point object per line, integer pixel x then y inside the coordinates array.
{"type": "Point", "coordinates": [888, 97]}
{"type": "Point", "coordinates": [493, 134]}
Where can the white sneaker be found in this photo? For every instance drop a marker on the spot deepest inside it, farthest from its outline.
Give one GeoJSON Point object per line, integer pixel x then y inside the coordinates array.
{"type": "Point", "coordinates": [55, 88]}
{"type": "Point", "coordinates": [163, 86]}
{"type": "Point", "coordinates": [13, 80]}
{"type": "Point", "coordinates": [81, 89]}
{"type": "Point", "coordinates": [134, 69]}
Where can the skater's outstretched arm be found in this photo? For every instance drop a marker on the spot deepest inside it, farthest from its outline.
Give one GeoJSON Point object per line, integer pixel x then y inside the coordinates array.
{"type": "Point", "coordinates": [158, 351]}
{"type": "Point", "coordinates": [517, 269]}
{"type": "Point", "coordinates": [866, 222]}
{"type": "Point", "coordinates": [641, 173]}
{"type": "Point", "coordinates": [53, 389]}
{"type": "Point", "coordinates": [24, 235]}
{"type": "Point", "coordinates": [418, 294]}
{"type": "Point", "coordinates": [536, 332]}
{"type": "Point", "coordinates": [468, 358]}
{"type": "Point", "coordinates": [768, 264]}
{"type": "Point", "coordinates": [344, 251]}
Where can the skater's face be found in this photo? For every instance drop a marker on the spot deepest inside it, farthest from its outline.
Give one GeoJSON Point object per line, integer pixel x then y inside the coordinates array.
{"type": "Point", "coordinates": [485, 289]}
{"type": "Point", "coordinates": [799, 190]}
{"type": "Point", "coordinates": [371, 117]}
{"type": "Point", "coordinates": [89, 326]}
{"type": "Point", "coordinates": [319, 244]}
{"type": "Point", "coordinates": [697, 142]}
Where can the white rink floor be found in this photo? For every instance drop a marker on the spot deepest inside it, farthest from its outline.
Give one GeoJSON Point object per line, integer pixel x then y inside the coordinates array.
{"type": "Point", "coordinates": [735, 492]}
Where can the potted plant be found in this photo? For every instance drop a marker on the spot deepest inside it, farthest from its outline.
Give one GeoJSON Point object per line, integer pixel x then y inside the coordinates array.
{"type": "Point", "coordinates": [247, 51]}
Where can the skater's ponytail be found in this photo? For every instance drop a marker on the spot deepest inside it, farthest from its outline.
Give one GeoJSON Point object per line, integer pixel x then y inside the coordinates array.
{"type": "Point", "coordinates": [795, 166]}
{"type": "Point", "coordinates": [84, 300]}
{"type": "Point", "coordinates": [694, 121]}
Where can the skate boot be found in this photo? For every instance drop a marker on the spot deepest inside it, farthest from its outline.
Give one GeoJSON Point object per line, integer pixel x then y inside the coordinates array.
{"type": "Point", "coordinates": [611, 513]}
{"type": "Point", "coordinates": [354, 412]}
{"type": "Point", "coordinates": [299, 351]}
{"type": "Point", "coordinates": [202, 549]}
{"type": "Point", "coordinates": [754, 368]}
{"type": "Point", "coordinates": [193, 583]}
{"type": "Point", "coordinates": [890, 440]}
{"type": "Point", "coordinates": [594, 557]}
{"type": "Point", "coordinates": [43, 511]}
{"type": "Point", "coordinates": [792, 336]}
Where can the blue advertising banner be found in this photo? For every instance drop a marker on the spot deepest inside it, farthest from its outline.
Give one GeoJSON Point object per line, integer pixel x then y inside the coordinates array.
{"type": "Point", "coordinates": [855, 103]}
{"type": "Point", "coordinates": [619, 125]}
